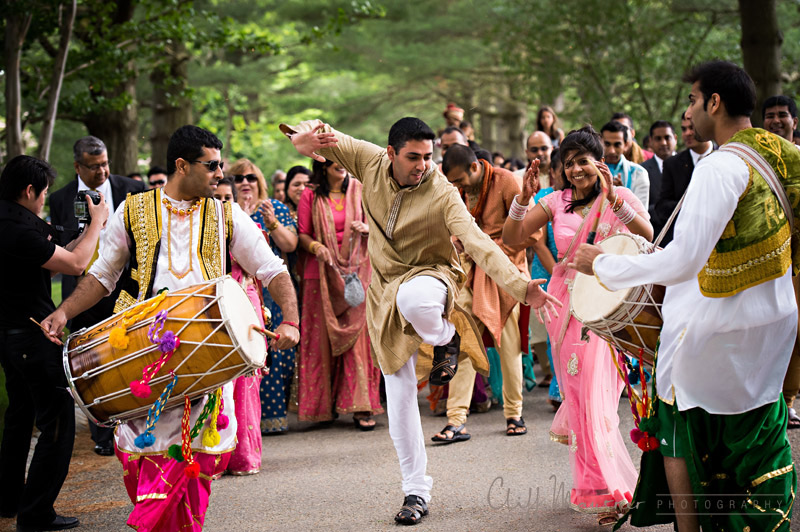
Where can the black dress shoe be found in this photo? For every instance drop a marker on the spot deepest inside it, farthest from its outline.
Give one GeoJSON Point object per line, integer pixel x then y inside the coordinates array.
{"type": "Point", "coordinates": [104, 449]}
{"type": "Point", "coordinates": [59, 523]}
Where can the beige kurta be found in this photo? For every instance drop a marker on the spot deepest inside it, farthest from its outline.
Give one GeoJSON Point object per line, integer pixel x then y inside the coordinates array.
{"type": "Point", "coordinates": [410, 229]}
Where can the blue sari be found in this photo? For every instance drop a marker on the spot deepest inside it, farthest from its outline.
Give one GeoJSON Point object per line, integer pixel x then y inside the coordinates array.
{"type": "Point", "coordinates": [274, 390]}
{"type": "Point", "coordinates": [539, 272]}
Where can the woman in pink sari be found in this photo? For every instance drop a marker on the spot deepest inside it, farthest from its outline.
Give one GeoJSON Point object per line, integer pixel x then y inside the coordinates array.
{"type": "Point", "coordinates": [335, 370]}
{"type": "Point", "coordinates": [246, 458]}
{"type": "Point", "coordinates": [603, 475]}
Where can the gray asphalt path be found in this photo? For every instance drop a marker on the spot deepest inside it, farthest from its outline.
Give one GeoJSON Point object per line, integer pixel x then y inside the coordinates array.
{"type": "Point", "coordinates": [339, 479]}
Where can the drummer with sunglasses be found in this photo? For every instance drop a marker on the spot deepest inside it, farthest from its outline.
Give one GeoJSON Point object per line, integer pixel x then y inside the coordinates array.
{"type": "Point", "coordinates": [185, 244]}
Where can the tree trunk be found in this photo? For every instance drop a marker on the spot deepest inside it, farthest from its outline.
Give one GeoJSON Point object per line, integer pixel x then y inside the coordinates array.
{"type": "Point", "coordinates": [17, 25]}
{"type": "Point", "coordinates": [46, 138]}
{"type": "Point", "coordinates": [761, 49]}
{"type": "Point", "coordinates": [119, 131]}
{"type": "Point", "coordinates": [170, 111]}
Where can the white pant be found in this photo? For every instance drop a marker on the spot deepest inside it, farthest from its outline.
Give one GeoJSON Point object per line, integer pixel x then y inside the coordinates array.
{"type": "Point", "coordinates": [421, 301]}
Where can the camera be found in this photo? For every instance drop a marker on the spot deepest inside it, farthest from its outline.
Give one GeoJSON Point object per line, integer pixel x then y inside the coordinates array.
{"type": "Point", "coordinates": [81, 205]}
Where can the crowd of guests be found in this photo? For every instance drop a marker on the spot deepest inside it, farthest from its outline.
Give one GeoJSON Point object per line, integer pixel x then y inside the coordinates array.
{"type": "Point", "coordinates": [313, 218]}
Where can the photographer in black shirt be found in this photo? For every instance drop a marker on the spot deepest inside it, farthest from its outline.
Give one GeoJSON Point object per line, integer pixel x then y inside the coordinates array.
{"type": "Point", "coordinates": [35, 379]}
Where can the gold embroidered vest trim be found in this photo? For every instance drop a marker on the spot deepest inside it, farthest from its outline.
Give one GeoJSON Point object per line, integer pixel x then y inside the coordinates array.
{"type": "Point", "coordinates": [143, 223]}
{"type": "Point", "coordinates": [756, 245]}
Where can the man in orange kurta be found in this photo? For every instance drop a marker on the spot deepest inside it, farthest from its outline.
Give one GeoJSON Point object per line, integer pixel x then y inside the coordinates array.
{"type": "Point", "coordinates": [488, 193]}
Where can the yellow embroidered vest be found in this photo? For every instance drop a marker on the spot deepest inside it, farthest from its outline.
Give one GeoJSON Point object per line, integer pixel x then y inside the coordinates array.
{"type": "Point", "coordinates": [143, 224]}
{"type": "Point", "coordinates": [757, 244]}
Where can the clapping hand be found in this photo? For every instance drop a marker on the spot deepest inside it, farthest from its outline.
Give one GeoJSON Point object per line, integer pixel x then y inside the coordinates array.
{"type": "Point", "coordinates": [267, 212]}
{"type": "Point", "coordinates": [530, 183]}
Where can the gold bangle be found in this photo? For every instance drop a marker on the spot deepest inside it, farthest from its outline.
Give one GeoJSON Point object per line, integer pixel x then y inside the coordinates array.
{"type": "Point", "coordinates": [312, 247]}
{"type": "Point", "coordinates": [274, 225]}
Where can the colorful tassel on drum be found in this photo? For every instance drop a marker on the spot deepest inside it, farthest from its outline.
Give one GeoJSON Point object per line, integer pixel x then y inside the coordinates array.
{"type": "Point", "coordinates": [167, 344]}
{"type": "Point", "coordinates": [175, 451]}
{"type": "Point", "coordinates": [146, 439]}
{"type": "Point", "coordinates": [118, 337]}
{"type": "Point", "coordinates": [211, 437]}
{"type": "Point", "coordinates": [192, 469]}
{"type": "Point", "coordinates": [222, 420]}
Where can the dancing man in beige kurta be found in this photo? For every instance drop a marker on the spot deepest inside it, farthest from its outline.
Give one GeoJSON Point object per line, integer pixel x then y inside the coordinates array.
{"type": "Point", "coordinates": [412, 211]}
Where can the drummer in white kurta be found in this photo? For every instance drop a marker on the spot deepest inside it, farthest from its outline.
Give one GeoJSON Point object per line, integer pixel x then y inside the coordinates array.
{"type": "Point", "coordinates": [186, 215]}
{"type": "Point", "coordinates": [727, 339]}
{"type": "Point", "coordinates": [179, 256]}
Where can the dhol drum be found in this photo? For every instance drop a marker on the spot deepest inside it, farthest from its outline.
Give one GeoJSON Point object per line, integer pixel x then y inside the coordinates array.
{"type": "Point", "coordinates": [630, 319]}
{"type": "Point", "coordinates": [217, 344]}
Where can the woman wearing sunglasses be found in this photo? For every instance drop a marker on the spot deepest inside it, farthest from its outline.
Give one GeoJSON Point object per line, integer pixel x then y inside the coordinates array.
{"type": "Point", "coordinates": [281, 229]}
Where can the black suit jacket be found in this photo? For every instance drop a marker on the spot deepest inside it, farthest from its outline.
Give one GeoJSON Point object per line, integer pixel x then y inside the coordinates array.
{"type": "Point", "coordinates": [62, 213]}
{"type": "Point", "coordinates": [655, 186]}
{"type": "Point", "coordinates": [674, 181]}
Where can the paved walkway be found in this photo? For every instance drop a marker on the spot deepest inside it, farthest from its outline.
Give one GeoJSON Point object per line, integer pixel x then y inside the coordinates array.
{"type": "Point", "coordinates": [338, 479]}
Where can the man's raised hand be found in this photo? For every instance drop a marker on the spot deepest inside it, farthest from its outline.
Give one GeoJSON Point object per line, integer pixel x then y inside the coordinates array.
{"type": "Point", "coordinates": [309, 142]}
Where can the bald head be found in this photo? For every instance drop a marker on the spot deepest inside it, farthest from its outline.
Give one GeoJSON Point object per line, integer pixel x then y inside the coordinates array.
{"type": "Point", "coordinates": [539, 146]}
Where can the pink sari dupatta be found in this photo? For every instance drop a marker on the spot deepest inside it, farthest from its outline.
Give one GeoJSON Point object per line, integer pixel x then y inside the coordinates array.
{"type": "Point", "coordinates": [343, 322]}
{"type": "Point", "coordinates": [246, 458]}
{"type": "Point", "coordinates": [602, 471]}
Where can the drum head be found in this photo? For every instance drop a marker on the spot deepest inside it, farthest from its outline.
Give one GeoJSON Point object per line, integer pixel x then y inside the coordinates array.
{"type": "Point", "coordinates": [238, 312]}
{"type": "Point", "coordinates": [589, 301]}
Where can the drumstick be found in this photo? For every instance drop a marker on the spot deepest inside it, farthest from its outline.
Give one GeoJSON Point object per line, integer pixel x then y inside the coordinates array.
{"type": "Point", "coordinates": [45, 331]}
{"type": "Point", "coordinates": [265, 332]}
{"type": "Point", "coordinates": [593, 232]}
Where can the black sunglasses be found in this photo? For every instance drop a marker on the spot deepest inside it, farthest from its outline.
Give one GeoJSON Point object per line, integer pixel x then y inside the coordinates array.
{"type": "Point", "coordinates": [157, 182]}
{"type": "Point", "coordinates": [211, 165]}
{"type": "Point", "coordinates": [251, 178]}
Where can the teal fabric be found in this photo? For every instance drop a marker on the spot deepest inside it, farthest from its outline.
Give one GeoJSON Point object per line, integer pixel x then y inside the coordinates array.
{"type": "Point", "coordinates": [495, 375]}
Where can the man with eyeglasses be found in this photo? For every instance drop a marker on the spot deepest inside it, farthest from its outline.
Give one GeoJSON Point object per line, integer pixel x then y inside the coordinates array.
{"type": "Point", "coordinates": [175, 237]}
{"type": "Point", "coordinates": [92, 173]}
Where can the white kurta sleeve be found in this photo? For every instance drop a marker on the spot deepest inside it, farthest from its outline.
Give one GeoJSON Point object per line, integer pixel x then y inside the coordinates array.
{"type": "Point", "coordinates": [711, 199]}
{"type": "Point", "coordinates": [640, 184]}
{"type": "Point", "coordinates": [114, 251]}
{"type": "Point", "coordinates": [251, 250]}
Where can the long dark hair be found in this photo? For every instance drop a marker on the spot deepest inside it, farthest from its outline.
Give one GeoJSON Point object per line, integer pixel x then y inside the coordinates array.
{"type": "Point", "coordinates": [319, 177]}
{"type": "Point", "coordinates": [584, 140]}
{"type": "Point", "coordinates": [553, 131]}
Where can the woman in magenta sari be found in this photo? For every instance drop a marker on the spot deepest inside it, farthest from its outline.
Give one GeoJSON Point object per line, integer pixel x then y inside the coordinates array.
{"type": "Point", "coordinates": [603, 475]}
{"type": "Point", "coordinates": [335, 370]}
